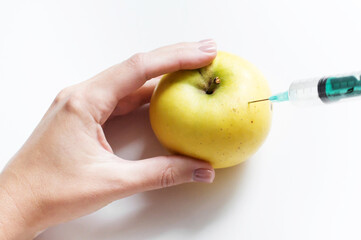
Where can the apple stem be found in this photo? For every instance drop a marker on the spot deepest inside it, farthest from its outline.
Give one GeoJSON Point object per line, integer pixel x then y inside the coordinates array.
{"type": "Point", "coordinates": [213, 85]}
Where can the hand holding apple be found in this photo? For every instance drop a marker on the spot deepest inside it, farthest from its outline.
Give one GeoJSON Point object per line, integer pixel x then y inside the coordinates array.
{"type": "Point", "coordinates": [67, 169]}
{"type": "Point", "coordinates": [205, 114]}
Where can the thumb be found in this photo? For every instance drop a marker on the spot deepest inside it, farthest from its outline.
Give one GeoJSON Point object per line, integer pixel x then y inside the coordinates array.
{"type": "Point", "coordinates": [165, 171]}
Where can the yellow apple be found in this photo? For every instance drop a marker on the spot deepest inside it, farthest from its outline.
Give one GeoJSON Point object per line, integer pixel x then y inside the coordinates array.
{"type": "Point", "coordinates": [205, 113]}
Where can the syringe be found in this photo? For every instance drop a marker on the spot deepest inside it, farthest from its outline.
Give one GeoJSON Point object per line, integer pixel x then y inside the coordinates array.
{"type": "Point", "coordinates": [324, 90]}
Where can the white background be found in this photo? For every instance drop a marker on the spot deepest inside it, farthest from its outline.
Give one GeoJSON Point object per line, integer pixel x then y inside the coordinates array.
{"type": "Point", "coordinates": [303, 183]}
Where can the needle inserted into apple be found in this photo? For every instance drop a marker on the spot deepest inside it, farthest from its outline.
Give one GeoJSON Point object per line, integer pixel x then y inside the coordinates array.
{"type": "Point", "coordinates": [204, 113]}
{"type": "Point", "coordinates": [261, 100]}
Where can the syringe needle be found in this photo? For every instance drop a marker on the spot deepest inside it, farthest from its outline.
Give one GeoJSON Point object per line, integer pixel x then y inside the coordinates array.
{"type": "Point", "coordinates": [261, 100]}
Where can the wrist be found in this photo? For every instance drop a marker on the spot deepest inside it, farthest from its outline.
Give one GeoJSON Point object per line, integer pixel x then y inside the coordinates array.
{"type": "Point", "coordinates": [17, 213]}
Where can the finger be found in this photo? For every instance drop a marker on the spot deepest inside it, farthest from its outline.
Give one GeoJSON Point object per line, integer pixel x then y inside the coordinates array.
{"type": "Point", "coordinates": [128, 76]}
{"type": "Point", "coordinates": [106, 89]}
{"type": "Point", "coordinates": [165, 171]}
{"type": "Point", "coordinates": [136, 99]}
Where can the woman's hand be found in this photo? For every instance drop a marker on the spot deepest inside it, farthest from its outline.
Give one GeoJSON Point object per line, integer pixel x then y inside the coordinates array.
{"type": "Point", "coordinates": [67, 169]}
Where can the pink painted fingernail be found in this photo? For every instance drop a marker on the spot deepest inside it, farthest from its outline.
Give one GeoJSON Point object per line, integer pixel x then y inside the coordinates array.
{"type": "Point", "coordinates": [208, 46]}
{"type": "Point", "coordinates": [206, 40]}
{"type": "Point", "coordinates": [203, 175]}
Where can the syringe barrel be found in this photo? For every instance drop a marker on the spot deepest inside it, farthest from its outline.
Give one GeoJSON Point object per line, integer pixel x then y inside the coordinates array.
{"type": "Point", "coordinates": [305, 91]}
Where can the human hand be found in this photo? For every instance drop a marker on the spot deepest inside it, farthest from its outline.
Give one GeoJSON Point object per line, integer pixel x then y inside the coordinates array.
{"type": "Point", "coordinates": [67, 169]}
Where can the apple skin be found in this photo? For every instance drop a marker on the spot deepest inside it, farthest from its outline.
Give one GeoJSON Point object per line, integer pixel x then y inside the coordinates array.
{"type": "Point", "coordinates": [222, 127]}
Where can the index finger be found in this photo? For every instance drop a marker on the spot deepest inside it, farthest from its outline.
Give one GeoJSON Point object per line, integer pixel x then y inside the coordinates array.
{"type": "Point", "coordinates": [122, 79]}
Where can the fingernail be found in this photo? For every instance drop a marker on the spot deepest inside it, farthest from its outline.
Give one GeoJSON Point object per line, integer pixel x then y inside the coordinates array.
{"type": "Point", "coordinates": [208, 46]}
{"type": "Point", "coordinates": [206, 40]}
{"type": "Point", "coordinates": [203, 175]}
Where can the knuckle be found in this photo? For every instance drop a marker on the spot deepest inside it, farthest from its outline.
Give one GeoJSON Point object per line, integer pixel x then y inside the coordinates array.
{"type": "Point", "coordinates": [70, 99]}
{"type": "Point", "coordinates": [180, 53]}
{"type": "Point", "coordinates": [180, 50]}
{"type": "Point", "coordinates": [167, 177]}
{"type": "Point", "coordinates": [74, 103]}
{"type": "Point", "coordinates": [137, 63]}
{"type": "Point", "coordinates": [62, 95]}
